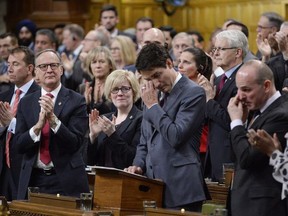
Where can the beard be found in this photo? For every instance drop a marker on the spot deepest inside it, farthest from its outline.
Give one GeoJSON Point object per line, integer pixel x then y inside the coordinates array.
{"type": "Point", "coordinates": [24, 42]}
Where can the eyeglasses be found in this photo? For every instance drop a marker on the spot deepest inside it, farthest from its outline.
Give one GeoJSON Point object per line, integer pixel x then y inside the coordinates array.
{"type": "Point", "coordinates": [263, 27]}
{"type": "Point", "coordinates": [44, 67]}
{"type": "Point", "coordinates": [216, 49]}
{"type": "Point", "coordinates": [124, 89]}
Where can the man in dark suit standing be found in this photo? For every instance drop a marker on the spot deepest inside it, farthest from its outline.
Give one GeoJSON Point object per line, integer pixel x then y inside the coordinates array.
{"type": "Point", "coordinates": [230, 48]}
{"type": "Point", "coordinates": [20, 72]}
{"type": "Point", "coordinates": [51, 137]}
{"type": "Point", "coordinates": [254, 190]}
{"type": "Point", "coordinates": [171, 130]}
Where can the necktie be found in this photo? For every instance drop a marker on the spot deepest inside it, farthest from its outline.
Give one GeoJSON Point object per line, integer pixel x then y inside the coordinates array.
{"type": "Point", "coordinates": [44, 147]}
{"type": "Point", "coordinates": [9, 135]}
{"type": "Point", "coordinates": [221, 83]}
{"type": "Point", "coordinates": [255, 115]}
{"type": "Point", "coordinates": [163, 99]}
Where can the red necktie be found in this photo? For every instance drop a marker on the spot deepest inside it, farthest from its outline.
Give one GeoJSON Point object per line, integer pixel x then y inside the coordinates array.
{"type": "Point", "coordinates": [9, 135]}
{"type": "Point", "coordinates": [221, 83]}
{"type": "Point", "coordinates": [44, 147]}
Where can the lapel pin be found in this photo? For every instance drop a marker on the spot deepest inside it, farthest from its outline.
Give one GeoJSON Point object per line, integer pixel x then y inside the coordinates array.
{"type": "Point", "coordinates": [131, 117]}
{"type": "Point", "coordinates": [59, 103]}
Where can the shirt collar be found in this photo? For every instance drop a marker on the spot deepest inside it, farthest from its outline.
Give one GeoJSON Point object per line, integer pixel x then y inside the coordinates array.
{"type": "Point", "coordinates": [54, 92]}
{"type": "Point", "coordinates": [24, 89]}
{"type": "Point", "coordinates": [229, 72]}
{"type": "Point", "coordinates": [270, 101]}
{"type": "Point", "coordinates": [77, 51]}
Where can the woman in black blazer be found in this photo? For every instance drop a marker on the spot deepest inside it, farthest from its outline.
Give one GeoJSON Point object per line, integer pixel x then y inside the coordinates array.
{"type": "Point", "coordinates": [117, 134]}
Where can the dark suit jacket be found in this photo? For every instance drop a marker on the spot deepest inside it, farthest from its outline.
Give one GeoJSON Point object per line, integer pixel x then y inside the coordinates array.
{"type": "Point", "coordinates": [65, 146]}
{"type": "Point", "coordinates": [15, 158]}
{"type": "Point", "coordinates": [255, 191]}
{"type": "Point", "coordinates": [277, 65]}
{"type": "Point", "coordinates": [219, 145]}
{"type": "Point", "coordinates": [119, 149]}
{"type": "Point", "coordinates": [169, 144]}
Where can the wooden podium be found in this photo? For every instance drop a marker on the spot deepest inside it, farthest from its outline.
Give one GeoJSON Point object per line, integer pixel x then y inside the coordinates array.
{"type": "Point", "coordinates": [119, 190]}
{"type": "Point", "coordinates": [116, 193]}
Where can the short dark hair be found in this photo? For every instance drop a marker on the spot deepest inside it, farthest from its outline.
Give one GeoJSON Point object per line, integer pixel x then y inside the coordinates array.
{"type": "Point", "coordinates": [244, 28]}
{"type": "Point", "coordinates": [169, 29]}
{"type": "Point", "coordinates": [29, 57]}
{"type": "Point", "coordinates": [108, 7]}
{"type": "Point", "coordinates": [49, 33]}
{"type": "Point", "coordinates": [274, 18]}
{"type": "Point", "coordinates": [59, 25]}
{"type": "Point", "coordinates": [14, 40]}
{"type": "Point", "coordinates": [152, 56]}
{"type": "Point", "coordinates": [145, 19]}
{"type": "Point", "coordinates": [198, 34]}
{"type": "Point", "coordinates": [203, 62]}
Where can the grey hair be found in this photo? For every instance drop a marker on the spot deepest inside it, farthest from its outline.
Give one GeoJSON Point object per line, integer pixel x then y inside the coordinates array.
{"type": "Point", "coordinates": [235, 38]}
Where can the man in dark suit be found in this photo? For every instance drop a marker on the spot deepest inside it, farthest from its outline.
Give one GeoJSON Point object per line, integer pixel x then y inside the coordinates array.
{"type": "Point", "coordinates": [21, 72]}
{"type": "Point", "coordinates": [254, 190]}
{"type": "Point", "coordinates": [230, 48]}
{"type": "Point", "coordinates": [73, 73]}
{"type": "Point", "coordinates": [170, 135]}
{"type": "Point", "coordinates": [109, 19]}
{"type": "Point", "coordinates": [278, 63]}
{"type": "Point", "coordinates": [50, 138]}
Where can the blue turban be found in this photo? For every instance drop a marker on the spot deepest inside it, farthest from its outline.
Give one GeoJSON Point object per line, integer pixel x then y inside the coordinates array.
{"type": "Point", "coordinates": [27, 23]}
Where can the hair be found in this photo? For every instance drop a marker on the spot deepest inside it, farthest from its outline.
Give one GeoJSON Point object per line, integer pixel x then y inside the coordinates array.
{"type": "Point", "coordinates": [127, 49]}
{"type": "Point", "coordinates": [75, 30]}
{"type": "Point", "coordinates": [104, 40]}
{"type": "Point", "coordinates": [235, 38]}
{"type": "Point", "coordinates": [59, 25]}
{"type": "Point", "coordinates": [109, 7]}
{"type": "Point", "coordinates": [94, 53]}
{"type": "Point", "coordinates": [198, 34]}
{"type": "Point", "coordinates": [169, 29]}
{"type": "Point", "coordinates": [244, 28]}
{"type": "Point", "coordinates": [119, 76]}
{"type": "Point", "coordinates": [49, 50]}
{"type": "Point", "coordinates": [203, 62]}
{"type": "Point", "coordinates": [49, 33]}
{"type": "Point", "coordinates": [183, 35]}
{"type": "Point", "coordinates": [274, 18]}
{"type": "Point", "coordinates": [152, 56]}
{"type": "Point", "coordinates": [146, 19]}
{"type": "Point", "coordinates": [14, 40]}
{"type": "Point", "coordinates": [29, 57]}
{"type": "Point", "coordinates": [263, 71]}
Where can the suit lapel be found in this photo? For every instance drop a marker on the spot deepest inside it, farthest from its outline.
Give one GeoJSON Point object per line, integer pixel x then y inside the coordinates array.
{"type": "Point", "coordinates": [259, 121]}
{"type": "Point", "coordinates": [61, 99]}
{"type": "Point", "coordinates": [125, 124]}
{"type": "Point", "coordinates": [228, 82]}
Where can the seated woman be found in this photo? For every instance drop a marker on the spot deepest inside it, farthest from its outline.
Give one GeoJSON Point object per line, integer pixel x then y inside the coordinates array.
{"type": "Point", "coordinates": [117, 134]}
{"type": "Point", "coordinates": [123, 51]}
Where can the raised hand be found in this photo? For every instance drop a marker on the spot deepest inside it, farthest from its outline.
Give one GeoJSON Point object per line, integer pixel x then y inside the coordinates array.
{"type": "Point", "coordinates": [94, 126]}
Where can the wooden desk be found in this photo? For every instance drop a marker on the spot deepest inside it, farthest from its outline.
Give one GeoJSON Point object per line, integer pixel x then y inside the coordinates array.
{"type": "Point", "coordinates": [162, 212]}
{"type": "Point", "coordinates": [218, 193]}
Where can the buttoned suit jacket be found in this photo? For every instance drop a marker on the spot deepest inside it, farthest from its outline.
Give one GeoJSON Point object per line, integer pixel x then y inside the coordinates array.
{"type": "Point", "coordinates": [122, 143]}
{"type": "Point", "coordinates": [277, 65]}
{"type": "Point", "coordinates": [170, 141]}
{"type": "Point", "coordinates": [15, 158]}
{"type": "Point", "coordinates": [254, 190]}
{"type": "Point", "coordinates": [65, 146]}
{"type": "Point", "coordinates": [219, 145]}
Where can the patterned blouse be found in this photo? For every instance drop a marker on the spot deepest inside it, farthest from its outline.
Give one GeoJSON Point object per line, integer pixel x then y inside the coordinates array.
{"type": "Point", "coordinates": [279, 161]}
